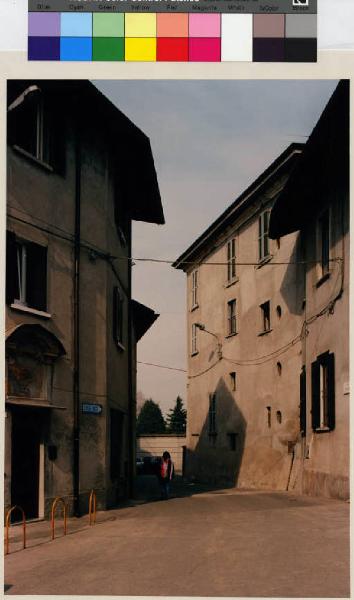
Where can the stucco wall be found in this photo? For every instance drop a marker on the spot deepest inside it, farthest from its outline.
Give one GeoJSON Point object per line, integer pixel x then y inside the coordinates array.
{"type": "Point", "coordinates": [155, 445]}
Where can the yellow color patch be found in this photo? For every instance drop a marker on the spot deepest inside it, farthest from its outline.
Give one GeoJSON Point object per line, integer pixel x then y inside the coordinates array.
{"type": "Point", "coordinates": [140, 25]}
{"type": "Point", "coordinates": [140, 49]}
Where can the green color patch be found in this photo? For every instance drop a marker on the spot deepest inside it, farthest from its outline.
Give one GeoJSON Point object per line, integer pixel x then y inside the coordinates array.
{"type": "Point", "coordinates": [108, 25]}
{"type": "Point", "coordinates": [106, 49]}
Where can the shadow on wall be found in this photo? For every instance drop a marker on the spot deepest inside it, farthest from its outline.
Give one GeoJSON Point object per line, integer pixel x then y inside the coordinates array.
{"type": "Point", "coordinates": [217, 456]}
{"type": "Point", "coordinates": [292, 287]}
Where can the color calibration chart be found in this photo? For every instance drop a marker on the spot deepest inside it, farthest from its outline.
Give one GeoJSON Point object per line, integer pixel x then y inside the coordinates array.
{"type": "Point", "coordinates": [173, 30]}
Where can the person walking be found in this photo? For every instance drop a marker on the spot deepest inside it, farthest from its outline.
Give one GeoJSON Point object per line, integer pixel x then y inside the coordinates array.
{"type": "Point", "coordinates": [166, 475]}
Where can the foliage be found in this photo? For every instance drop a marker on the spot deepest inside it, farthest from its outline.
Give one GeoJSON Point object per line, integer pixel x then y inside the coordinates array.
{"type": "Point", "coordinates": [150, 419]}
{"type": "Point", "coordinates": [177, 418]}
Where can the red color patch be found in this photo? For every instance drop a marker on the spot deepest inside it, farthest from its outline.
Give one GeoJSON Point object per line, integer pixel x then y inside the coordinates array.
{"type": "Point", "coordinates": [172, 49]}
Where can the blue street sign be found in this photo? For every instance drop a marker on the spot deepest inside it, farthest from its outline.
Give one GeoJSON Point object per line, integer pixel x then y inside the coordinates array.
{"type": "Point", "coordinates": [93, 409]}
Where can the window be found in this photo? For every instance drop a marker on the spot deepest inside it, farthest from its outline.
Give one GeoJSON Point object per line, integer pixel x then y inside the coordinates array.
{"type": "Point", "coordinates": [26, 273]}
{"type": "Point", "coordinates": [194, 347]}
{"type": "Point", "coordinates": [231, 317]}
{"type": "Point", "coordinates": [233, 381]}
{"type": "Point", "coordinates": [303, 401]}
{"type": "Point", "coordinates": [265, 315]}
{"type": "Point", "coordinates": [232, 441]}
{"type": "Point", "coordinates": [195, 288]}
{"type": "Point", "coordinates": [323, 393]}
{"type": "Point", "coordinates": [118, 307]}
{"type": "Point", "coordinates": [269, 416]}
{"type": "Point", "coordinates": [323, 243]}
{"type": "Point", "coordinates": [212, 414]}
{"type": "Point", "coordinates": [231, 260]}
{"type": "Point", "coordinates": [263, 241]}
{"type": "Point", "coordinates": [36, 126]}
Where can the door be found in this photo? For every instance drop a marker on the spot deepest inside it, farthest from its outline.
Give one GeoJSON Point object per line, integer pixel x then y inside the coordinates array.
{"type": "Point", "coordinates": [25, 462]}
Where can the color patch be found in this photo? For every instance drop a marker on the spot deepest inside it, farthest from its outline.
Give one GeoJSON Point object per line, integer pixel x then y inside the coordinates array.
{"type": "Point", "coordinates": [207, 26]}
{"type": "Point", "coordinates": [108, 25]}
{"type": "Point", "coordinates": [268, 26]}
{"type": "Point", "coordinates": [168, 26]}
{"type": "Point", "coordinates": [236, 39]}
{"type": "Point", "coordinates": [140, 26]}
{"type": "Point", "coordinates": [140, 49]}
{"type": "Point", "coordinates": [172, 49]}
{"type": "Point", "coordinates": [44, 24]}
{"type": "Point", "coordinates": [108, 49]}
{"type": "Point", "coordinates": [76, 25]}
{"type": "Point", "coordinates": [268, 50]}
{"type": "Point", "coordinates": [78, 49]}
{"type": "Point", "coordinates": [44, 48]}
{"type": "Point", "coordinates": [300, 50]}
{"type": "Point", "coordinates": [204, 49]}
{"type": "Point", "coordinates": [301, 26]}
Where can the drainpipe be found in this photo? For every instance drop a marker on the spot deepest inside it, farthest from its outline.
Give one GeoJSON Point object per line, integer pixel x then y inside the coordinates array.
{"type": "Point", "coordinates": [131, 415]}
{"type": "Point", "coordinates": [76, 386]}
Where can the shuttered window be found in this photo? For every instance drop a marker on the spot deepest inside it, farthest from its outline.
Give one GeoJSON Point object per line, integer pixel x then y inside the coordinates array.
{"type": "Point", "coordinates": [323, 393]}
{"type": "Point", "coordinates": [194, 346]}
{"type": "Point", "coordinates": [195, 276]}
{"type": "Point", "coordinates": [263, 240]}
{"type": "Point", "coordinates": [231, 260]}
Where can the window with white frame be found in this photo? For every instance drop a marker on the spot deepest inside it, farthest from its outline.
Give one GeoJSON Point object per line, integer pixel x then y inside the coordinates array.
{"type": "Point", "coordinates": [323, 392]}
{"type": "Point", "coordinates": [194, 345]}
{"type": "Point", "coordinates": [194, 300]}
{"type": "Point", "coordinates": [263, 240]}
{"type": "Point", "coordinates": [231, 260]}
{"type": "Point", "coordinates": [231, 317]}
{"type": "Point", "coordinates": [323, 243]}
{"type": "Point", "coordinates": [26, 273]}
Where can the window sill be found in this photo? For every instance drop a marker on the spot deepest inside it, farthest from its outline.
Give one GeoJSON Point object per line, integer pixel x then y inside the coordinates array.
{"type": "Point", "coordinates": [33, 158]}
{"type": "Point", "coordinates": [264, 261]}
{"type": "Point", "coordinates": [264, 332]}
{"type": "Point", "coordinates": [195, 353]}
{"type": "Point", "coordinates": [230, 335]}
{"type": "Point", "coordinates": [194, 307]}
{"type": "Point", "coordinates": [232, 282]}
{"type": "Point", "coordinates": [322, 279]}
{"type": "Point", "coordinates": [322, 430]}
{"type": "Point", "coordinates": [32, 311]}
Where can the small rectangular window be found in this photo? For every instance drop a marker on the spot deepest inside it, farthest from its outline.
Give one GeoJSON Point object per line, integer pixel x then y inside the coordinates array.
{"type": "Point", "coordinates": [194, 346]}
{"type": "Point", "coordinates": [26, 273]}
{"type": "Point", "coordinates": [231, 260]}
{"type": "Point", "coordinates": [323, 392]}
{"type": "Point", "coordinates": [195, 288]}
{"type": "Point", "coordinates": [233, 381]}
{"type": "Point", "coordinates": [212, 414]}
{"type": "Point", "coordinates": [265, 315]}
{"type": "Point", "coordinates": [263, 240]}
{"type": "Point", "coordinates": [118, 308]}
{"type": "Point", "coordinates": [231, 317]}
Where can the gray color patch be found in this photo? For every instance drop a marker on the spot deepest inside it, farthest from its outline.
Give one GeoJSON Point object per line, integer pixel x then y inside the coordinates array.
{"type": "Point", "coordinates": [301, 26]}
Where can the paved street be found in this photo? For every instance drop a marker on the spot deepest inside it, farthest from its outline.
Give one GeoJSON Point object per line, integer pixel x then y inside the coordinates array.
{"type": "Point", "coordinates": [203, 543]}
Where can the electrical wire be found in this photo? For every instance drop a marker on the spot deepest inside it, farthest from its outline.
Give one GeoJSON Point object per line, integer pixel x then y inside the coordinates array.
{"type": "Point", "coordinates": [140, 362]}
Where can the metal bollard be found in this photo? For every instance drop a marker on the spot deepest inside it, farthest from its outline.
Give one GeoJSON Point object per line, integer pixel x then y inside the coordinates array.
{"type": "Point", "coordinates": [54, 505]}
{"type": "Point", "coordinates": [8, 514]}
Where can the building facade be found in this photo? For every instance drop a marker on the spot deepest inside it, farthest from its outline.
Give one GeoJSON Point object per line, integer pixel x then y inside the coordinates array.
{"type": "Point", "coordinates": [74, 188]}
{"type": "Point", "coordinates": [319, 188]}
{"type": "Point", "coordinates": [267, 318]}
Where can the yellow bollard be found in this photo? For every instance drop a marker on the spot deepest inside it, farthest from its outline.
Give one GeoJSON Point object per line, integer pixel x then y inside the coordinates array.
{"type": "Point", "coordinates": [8, 514]}
{"type": "Point", "coordinates": [54, 505]}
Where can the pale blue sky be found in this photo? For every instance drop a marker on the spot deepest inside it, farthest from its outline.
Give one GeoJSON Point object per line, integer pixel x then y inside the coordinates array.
{"type": "Point", "coordinates": [210, 139]}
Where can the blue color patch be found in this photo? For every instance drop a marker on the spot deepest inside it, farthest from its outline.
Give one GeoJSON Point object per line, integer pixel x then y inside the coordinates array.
{"type": "Point", "coordinates": [79, 48]}
{"type": "Point", "coordinates": [76, 25]}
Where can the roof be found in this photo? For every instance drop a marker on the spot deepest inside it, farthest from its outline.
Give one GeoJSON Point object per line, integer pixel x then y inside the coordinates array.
{"type": "Point", "coordinates": [129, 146]}
{"type": "Point", "coordinates": [324, 164]}
{"type": "Point", "coordinates": [143, 318]}
{"type": "Point", "coordinates": [279, 165]}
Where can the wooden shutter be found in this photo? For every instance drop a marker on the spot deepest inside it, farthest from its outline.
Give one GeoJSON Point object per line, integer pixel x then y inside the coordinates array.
{"type": "Point", "coordinates": [36, 276]}
{"type": "Point", "coordinates": [331, 391]}
{"type": "Point", "coordinates": [11, 267]}
{"type": "Point", "coordinates": [315, 394]}
{"type": "Point", "coordinates": [303, 401]}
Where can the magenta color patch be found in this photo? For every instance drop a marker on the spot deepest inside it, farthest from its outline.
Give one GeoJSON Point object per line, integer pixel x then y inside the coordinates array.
{"type": "Point", "coordinates": [207, 26]}
{"type": "Point", "coordinates": [204, 49]}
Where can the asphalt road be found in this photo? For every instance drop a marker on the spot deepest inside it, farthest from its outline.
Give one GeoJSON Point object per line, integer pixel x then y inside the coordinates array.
{"type": "Point", "coordinates": [215, 543]}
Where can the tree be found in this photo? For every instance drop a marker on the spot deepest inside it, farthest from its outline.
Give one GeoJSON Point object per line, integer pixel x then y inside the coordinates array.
{"type": "Point", "coordinates": [177, 418]}
{"type": "Point", "coordinates": [150, 419]}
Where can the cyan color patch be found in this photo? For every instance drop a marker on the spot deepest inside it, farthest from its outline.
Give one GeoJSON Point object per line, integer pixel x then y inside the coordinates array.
{"type": "Point", "coordinates": [76, 49]}
{"type": "Point", "coordinates": [76, 25]}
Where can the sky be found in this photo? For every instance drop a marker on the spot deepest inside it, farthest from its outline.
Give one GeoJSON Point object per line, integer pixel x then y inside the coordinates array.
{"type": "Point", "coordinates": [210, 140]}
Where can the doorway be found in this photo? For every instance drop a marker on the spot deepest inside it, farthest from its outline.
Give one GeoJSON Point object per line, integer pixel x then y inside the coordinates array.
{"type": "Point", "coordinates": [25, 462]}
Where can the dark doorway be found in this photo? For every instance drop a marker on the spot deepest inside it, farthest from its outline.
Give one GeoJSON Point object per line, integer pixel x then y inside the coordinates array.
{"type": "Point", "coordinates": [26, 432]}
